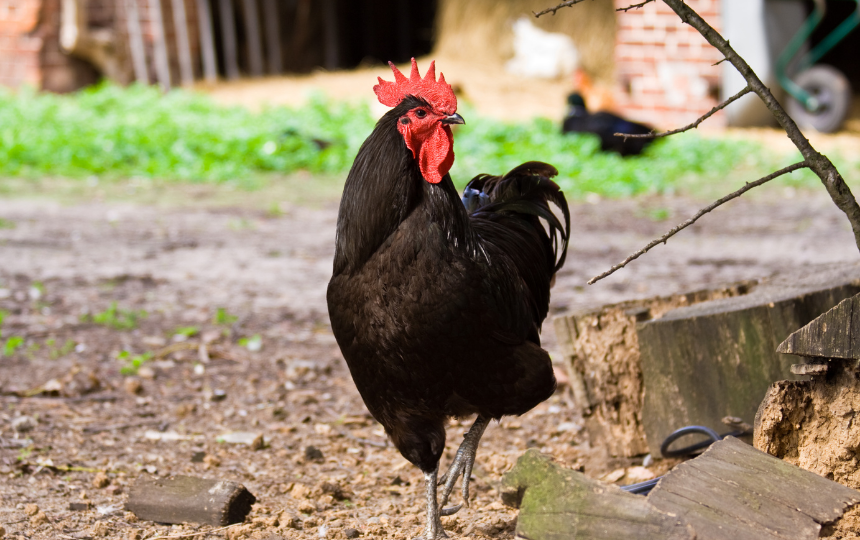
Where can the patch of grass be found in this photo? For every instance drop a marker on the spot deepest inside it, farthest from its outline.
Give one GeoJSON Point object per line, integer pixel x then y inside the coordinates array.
{"type": "Point", "coordinates": [142, 140]}
{"type": "Point", "coordinates": [119, 319]}
{"type": "Point", "coordinates": [6, 224]}
{"type": "Point", "coordinates": [186, 331]}
{"type": "Point", "coordinates": [13, 343]}
{"type": "Point", "coordinates": [132, 362]}
{"type": "Point", "coordinates": [222, 317]}
{"type": "Point", "coordinates": [55, 352]}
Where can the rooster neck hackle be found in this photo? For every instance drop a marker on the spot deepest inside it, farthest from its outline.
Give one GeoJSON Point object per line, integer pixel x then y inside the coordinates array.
{"type": "Point", "coordinates": [385, 187]}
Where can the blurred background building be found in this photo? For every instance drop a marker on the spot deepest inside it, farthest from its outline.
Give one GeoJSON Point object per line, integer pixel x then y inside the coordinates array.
{"type": "Point", "coordinates": [643, 63]}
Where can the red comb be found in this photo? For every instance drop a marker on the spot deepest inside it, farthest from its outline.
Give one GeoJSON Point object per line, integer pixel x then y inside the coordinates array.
{"type": "Point", "coordinates": [437, 93]}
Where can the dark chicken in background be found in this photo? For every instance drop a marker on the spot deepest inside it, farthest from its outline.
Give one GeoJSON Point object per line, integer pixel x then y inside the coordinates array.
{"type": "Point", "coordinates": [605, 125]}
{"type": "Point", "coordinates": [437, 301]}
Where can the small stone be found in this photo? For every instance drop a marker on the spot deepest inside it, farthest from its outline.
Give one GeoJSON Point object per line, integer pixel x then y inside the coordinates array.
{"type": "Point", "coordinates": [307, 507]}
{"type": "Point", "coordinates": [312, 453]}
{"type": "Point", "coordinates": [300, 491]}
{"type": "Point", "coordinates": [133, 534]}
{"type": "Point", "coordinates": [285, 520]}
{"type": "Point", "coordinates": [638, 474]}
{"type": "Point", "coordinates": [23, 424]}
{"type": "Point", "coordinates": [114, 490]}
{"type": "Point", "coordinates": [101, 529]}
{"type": "Point", "coordinates": [31, 509]}
{"type": "Point", "coordinates": [130, 517]}
{"type": "Point", "coordinates": [133, 385]}
{"type": "Point", "coordinates": [211, 461]}
{"type": "Point", "coordinates": [101, 480]}
{"type": "Point", "coordinates": [614, 476]}
{"type": "Point", "coordinates": [38, 519]}
{"type": "Point", "coordinates": [146, 372]}
{"type": "Point", "coordinates": [198, 457]}
{"type": "Point", "coordinates": [351, 533]}
{"type": "Point", "coordinates": [79, 506]}
{"type": "Point", "coordinates": [258, 443]}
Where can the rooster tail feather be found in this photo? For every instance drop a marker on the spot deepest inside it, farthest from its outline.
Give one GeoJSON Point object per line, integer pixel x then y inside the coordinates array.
{"type": "Point", "coordinates": [526, 189]}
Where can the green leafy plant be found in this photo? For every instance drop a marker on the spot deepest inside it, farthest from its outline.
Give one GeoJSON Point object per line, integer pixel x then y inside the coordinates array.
{"type": "Point", "coordinates": [253, 343]}
{"type": "Point", "coordinates": [132, 362]}
{"type": "Point", "coordinates": [13, 343]}
{"type": "Point", "coordinates": [58, 352]}
{"type": "Point", "coordinates": [222, 317]}
{"type": "Point", "coordinates": [119, 319]}
{"type": "Point", "coordinates": [187, 331]}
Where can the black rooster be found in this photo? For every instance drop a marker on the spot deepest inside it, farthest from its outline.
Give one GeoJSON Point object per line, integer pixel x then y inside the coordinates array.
{"type": "Point", "coordinates": [605, 125]}
{"type": "Point", "coordinates": [437, 301]}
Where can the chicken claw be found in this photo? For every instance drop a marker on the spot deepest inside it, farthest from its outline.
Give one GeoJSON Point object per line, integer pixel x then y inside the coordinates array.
{"type": "Point", "coordinates": [434, 530]}
{"type": "Point", "coordinates": [462, 464]}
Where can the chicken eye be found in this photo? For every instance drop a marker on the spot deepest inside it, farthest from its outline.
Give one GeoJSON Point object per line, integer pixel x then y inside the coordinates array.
{"type": "Point", "coordinates": [420, 113]}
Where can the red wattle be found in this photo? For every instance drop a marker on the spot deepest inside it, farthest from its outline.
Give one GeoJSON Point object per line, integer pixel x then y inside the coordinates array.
{"type": "Point", "coordinates": [436, 155]}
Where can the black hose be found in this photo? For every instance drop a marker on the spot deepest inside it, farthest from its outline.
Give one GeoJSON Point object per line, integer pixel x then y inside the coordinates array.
{"type": "Point", "coordinates": [644, 488]}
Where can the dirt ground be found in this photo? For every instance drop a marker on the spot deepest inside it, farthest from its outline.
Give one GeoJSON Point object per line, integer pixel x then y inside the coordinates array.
{"type": "Point", "coordinates": [91, 430]}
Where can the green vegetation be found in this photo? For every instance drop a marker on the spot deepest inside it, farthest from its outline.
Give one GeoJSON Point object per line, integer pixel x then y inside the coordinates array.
{"type": "Point", "coordinates": [107, 132]}
{"type": "Point", "coordinates": [222, 317]}
{"type": "Point", "coordinates": [132, 362]}
{"type": "Point", "coordinates": [13, 343]}
{"type": "Point", "coordinates": [186, 331]}
{"type": "Point", "coordinates": [119, 319]}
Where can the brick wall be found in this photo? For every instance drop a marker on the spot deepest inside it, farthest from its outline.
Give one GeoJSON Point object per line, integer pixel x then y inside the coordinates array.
{"type": "Point", "coordinates": [664, 68]}
{"type": "Point", "coordinates": [19, 46]}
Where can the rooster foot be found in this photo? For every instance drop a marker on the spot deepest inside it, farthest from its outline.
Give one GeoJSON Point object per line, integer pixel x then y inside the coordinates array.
{"type": "Point", "coordinates": [462, 464]}
{"type": "Point", "coordinates": [433, 530]}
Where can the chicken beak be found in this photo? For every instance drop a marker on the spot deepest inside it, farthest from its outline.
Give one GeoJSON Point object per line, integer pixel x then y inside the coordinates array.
{"type": "Point", "coordinates": [453, 119]}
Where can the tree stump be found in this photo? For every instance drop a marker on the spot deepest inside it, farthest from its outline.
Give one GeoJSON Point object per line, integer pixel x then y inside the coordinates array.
{"type": "Point", "coordinates": [812, 423]}
{"type": "Point", "coordinates": [716, 359]}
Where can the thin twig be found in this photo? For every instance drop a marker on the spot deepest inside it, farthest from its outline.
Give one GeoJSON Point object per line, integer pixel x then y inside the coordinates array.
{"type": "Point", "coordinates": [189, 535]}
{"type": "Point", "coordinates": [718, 62]}
{"type": "Point", "coordinates": [688, 127]}
{"type": "Point", "coordinates": [700, 213]}
{"type": "Point", "coordinates": [818, 163]}
{"type": "Point", "coordinates": [113, 427]}
{"type": "Point", "coordinates": [568, 3]}
{"type": "Point", "coordinates": [634, 6]}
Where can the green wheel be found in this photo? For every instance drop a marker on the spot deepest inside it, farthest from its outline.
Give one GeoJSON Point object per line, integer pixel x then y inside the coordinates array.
{"type": "Point", "coordinates": [832, 90]}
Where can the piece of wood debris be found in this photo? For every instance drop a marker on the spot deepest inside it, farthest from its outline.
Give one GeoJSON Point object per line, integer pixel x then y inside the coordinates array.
{"type": "Point", "coordinates": [717, 358]}
{"type": "Point", "coordinates": [809, 369]}
{"type": "Point", "coordinates": [188, 499]}
{"type": "Point", "coordinates": [835, 334]}
{"type": "Point", "coordinates": [558, 503]}
{"type": "Point", "coordinates": [735, 492]}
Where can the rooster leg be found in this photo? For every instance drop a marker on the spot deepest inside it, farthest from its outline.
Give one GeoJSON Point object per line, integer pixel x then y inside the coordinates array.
{"type": "Point", "coordinates": [434, 528]}
{"type": "Point", "coordinates": [463, 462]}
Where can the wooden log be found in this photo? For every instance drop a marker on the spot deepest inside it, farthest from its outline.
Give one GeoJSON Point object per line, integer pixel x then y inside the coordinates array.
{"type": "Point", "coordinates": [162, 61]}
{"type": "Point", "coordinates": [253, 37]}
{"type": "Point", "coordinates": [601, 351]}
{"type": "Point", "coordinates": [273, 36]}
{"type": "Point", "coordinates": [187, 499]}
{"type": "Point", "coordinates": [207, 41]}
{"type": "Point", "coordinates": [835, 334]}
{"type": "Point", "coordinates": [557, 503]}
{"type": "Point", "coordinates": [716, 359]}
{"type": "Point", "coordinates": [135, 42]}
{"type": "Point", "coordinates": [736, 492]}
{"type": "Point", "coordinates": [228, 36]}
{"type": "Point", "coordinates": [183, 44]}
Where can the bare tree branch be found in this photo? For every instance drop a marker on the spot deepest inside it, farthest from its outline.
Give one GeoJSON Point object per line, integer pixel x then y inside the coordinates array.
{"type": "Point", "coordinates": [819, 163]}
{"type": "Point", "coordinates": [695, 124]}
{"type": "Point", "coordinates": [634, 6]}
{"type": "Point", "coordinates": [678, 228]}
{"type": "Point", "coordinates": [565, 4]}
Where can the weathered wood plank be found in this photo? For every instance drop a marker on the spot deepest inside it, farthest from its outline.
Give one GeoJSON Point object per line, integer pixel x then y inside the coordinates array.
{"type": "Point", "coordinates": [601, 351]}
{"type": "Point", "coordinates": [207, 40]}
{"type": "Point", "coordinates": [716, 359]}
{"type": "Point", "coordinates": [835, 334]}
{"type": "Point", "coordinates": [229, 39]}
{"type": "Point", "coordinates": [735, 491]}
{"type": "Point", "coordinates": [183, 45]}
{"type": "Point", "coordinates": [187, 499]}
{"type": "Point", "coordinates": [253, 37]}
{"type": "Point", "coordinates": [557, 503]}
{"type": "Point", "coordinates": [162, 61]}
{"type": "Point", "coordinates": [135, 42]}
